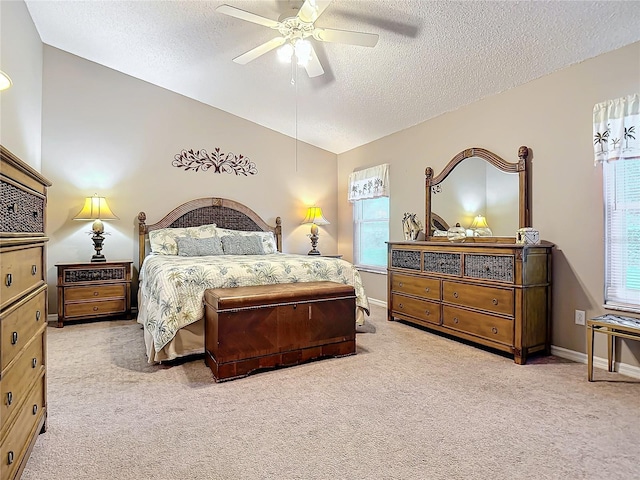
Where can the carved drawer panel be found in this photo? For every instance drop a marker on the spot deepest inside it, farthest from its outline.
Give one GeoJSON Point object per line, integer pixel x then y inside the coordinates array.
{"type": "Point", "coordinates": [498, 300]}
{"type": "Point", "coordinates": [19, 378]}
{"type": "Point", "coordinates": [444, 263]}
{"type": "Point", "coordinates": [496, 329]}
{"type": "Point", "coordinates": [420, 286]}
{"type": "Point", "coordinates": [98, 274]}
{"type": "Point", "coordinates": [104, 307]}
{"type": "Point", "coordinates": [405, 259]}
{"type": "Point", "coordinates": [21, 271]}
{"type": "Point", "coordinates": [422, 309]}
{"type": "Point", "coordinates": [95, 292]}
{"type": "Point", "coordinates": [19, 325]}
{"type": "Point", "coordinates": [490, 267]}
{"type": "Point", "coordinates": [22, 211]}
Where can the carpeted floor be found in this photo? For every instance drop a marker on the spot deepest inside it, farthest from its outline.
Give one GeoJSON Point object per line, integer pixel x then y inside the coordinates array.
{"type": "Point", "coordinates": [409, 405]}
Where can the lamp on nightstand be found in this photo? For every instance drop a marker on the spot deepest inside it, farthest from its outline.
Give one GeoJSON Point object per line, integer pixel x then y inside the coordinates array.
{"type": "Point", "coordinates": [96, 209]}
{"type": "Point", "coordinates": [315, 218]}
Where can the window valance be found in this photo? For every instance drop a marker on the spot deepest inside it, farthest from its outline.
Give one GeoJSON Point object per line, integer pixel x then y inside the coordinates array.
{"type": "Point", "coordinates": [371, 182]}
{"type": "Point", "coordinates": [616, 126]}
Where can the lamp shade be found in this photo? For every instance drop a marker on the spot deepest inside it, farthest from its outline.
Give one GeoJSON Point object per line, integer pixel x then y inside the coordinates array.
{"type": "Point", "coordinates": [479, 222]}
{"type": "Point", "coordinates": [95, 208]}
{"type": "Point", "coordinates": [315, 216]}
{"type": "Point", "coordinates": [5, 81]}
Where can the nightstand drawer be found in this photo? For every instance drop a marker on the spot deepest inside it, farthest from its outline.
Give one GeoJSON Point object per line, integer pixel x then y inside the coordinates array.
{"type": "Point", "coordinates": [96, 292]}
{"type": "Point", "coordinates": [91, 309]}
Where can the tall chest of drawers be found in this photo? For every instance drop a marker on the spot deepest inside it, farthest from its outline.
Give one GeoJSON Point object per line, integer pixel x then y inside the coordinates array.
{"type": "Point", "coordinates": [23, 312]}
{"type": "Point", "coordinates": [497, 295]}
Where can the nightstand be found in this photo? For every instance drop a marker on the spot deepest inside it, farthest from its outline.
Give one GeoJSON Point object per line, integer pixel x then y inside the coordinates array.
{"type": "Point", "coordinates": [89, 290]}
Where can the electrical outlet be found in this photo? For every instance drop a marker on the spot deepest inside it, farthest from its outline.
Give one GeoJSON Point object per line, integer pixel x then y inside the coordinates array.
{"type": "Point", "coordinates": [580, 317]}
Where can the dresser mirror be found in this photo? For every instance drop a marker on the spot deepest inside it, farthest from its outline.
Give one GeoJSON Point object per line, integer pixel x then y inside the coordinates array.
{"type": "Point", "coordinates": [478, 182]}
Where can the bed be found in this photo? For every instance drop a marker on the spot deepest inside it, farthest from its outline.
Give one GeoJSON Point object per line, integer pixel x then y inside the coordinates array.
{"type": "Point", "coordinates": [179, 259]}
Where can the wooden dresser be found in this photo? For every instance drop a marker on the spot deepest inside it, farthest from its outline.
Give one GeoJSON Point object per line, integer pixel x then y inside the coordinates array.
{"type": "Point", "coordinates": [23, 312]}
{"type": "Point", "coordinates": [89, 290]}
{"type": "Point", "coordinates": [494, 294]}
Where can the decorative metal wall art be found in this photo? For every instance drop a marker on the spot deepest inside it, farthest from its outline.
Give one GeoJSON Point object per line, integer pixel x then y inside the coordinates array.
{"type": "Point", "coordinates": [217, 161]}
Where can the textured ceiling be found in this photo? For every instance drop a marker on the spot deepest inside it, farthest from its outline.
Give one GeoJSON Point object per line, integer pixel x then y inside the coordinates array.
{"type": "Point", "coordinates": [431, 57]}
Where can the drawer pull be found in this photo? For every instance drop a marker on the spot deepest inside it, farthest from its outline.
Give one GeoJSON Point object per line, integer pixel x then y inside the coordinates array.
{"type": "Point", "coordinates": [427, 289]}
{"type": "Point", "coordinates": [35, 409]}
{"type": "Point", "coordinates": [95, 309]}
{"type": "Point", "coordinates": [34, 269]}
{"type": "Point", "coordinates": [494, 330]}
{"type": "Point", "coordinates": [9, 398]}
{"type": "Point", "coordinates": [38, 314]}
{"type": "Point", "coordinates": [494, 301]}
{"type": "Point", "coordinates": [455, 320]}
{"type": "Point", "coordinates": [400, 284]}
{"type": "Point", "coordinates": [14, 338]}
{"type": "Point", "coordinates": [13, 208]}
{"type": "Point", "coordinates": [95, 294]}
{"type": "Point", "coordinates": [10, 458]}
{"type": "Point", "coordinates": [455, 294]}
{"type": "Point", "coordinates": [9, 280]}
{"type": "Point", "coordinates": [35, 215]}
{"type": "Point", "coordinates": [34, 362]}
{"type": "Point", "coordinates": [427, 312]}
{"type": "Point", "coordinates": [400, 305]}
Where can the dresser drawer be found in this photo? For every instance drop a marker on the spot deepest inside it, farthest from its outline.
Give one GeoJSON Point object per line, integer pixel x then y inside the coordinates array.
{"type": "Point", "coordinates": [22, 210]}
{"type": "Point", "coordinates": [16, 443]}
{"type": "Point", "coordinates": [21, 270]}
{"type": "Point", "coordinates": [492, 299]}
{"type": "Point", "coordinates": [490, 267]}
{"type": "Point", "coordinates": [423, 287]}
{"type": "Point", "coordinates": [443, 263]}
{"type": "Point", "coordinates": [409, 259]}
{"type": "Point", "coordinates": [90, 309]}
{"type": "Point", "coordinates": [94, 292]}
{"type": "Point", "coordinates": [17, 380]}
{"type": "Point", "coordinates": [421, 309]}
{"type": "Point", "coordinates": [19, 323]}
{"type": "Point", "coordinates": [496, 329]}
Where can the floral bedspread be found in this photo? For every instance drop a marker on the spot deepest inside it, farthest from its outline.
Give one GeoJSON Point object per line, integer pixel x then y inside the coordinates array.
{"type": "Point", "coordinates": [174, 286]}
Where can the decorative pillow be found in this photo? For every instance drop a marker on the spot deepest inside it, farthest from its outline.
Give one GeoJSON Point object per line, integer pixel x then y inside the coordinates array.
{"type": "Point", "coordinates": [267, 239]}
{"type": "Point", "coordinates": [198, 247]}
{"type": "Point", "coordinates": [163, 240]}
{"type": "Point", "coordinates": [241, 245]}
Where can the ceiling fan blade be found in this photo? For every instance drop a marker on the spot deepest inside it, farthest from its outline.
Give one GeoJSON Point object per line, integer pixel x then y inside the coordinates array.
{"type": "Point", "coordinates": [259, 50]}
{"type": "Point", "coordinates": [312, 9]}
{"type": "Point", "coordinates": [313, 66]}
{"type": "Point", "coordinates": [344, 36]}
{"type": "Point", "coordinates": [248, 16]}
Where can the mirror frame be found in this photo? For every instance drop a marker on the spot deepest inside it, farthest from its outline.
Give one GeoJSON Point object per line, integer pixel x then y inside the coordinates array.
{"type": "Point", "coordinates": [520, 167]}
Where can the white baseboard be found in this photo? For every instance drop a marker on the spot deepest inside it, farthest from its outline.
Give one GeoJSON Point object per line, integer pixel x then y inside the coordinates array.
{"type": "Point", "coordinates": [380, 303]}
{"type": "Point", "coordinates": [598, 362]}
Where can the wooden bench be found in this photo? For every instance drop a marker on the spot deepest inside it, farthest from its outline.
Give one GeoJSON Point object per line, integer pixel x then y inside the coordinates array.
{"type": "Point", "coordinates": [264, 326]}
{"type": "Point", "coordinates": [612, 326]}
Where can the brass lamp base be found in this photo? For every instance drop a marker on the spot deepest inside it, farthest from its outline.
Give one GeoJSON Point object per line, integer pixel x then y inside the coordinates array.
{"type": "Point", "coordinates": [314, 243]}
{"type": "Point", "coordinates": [97, 245]}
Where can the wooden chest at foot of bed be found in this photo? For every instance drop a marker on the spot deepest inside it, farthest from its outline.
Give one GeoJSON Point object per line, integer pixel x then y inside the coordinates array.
{"type": "Point", "coordinates": [248, 328]}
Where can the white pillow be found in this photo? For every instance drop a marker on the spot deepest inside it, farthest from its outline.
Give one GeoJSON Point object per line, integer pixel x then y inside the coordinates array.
{"type": "Point", "coordinates": [267, 239]}
{"type": "Point", "coordinates": [163, 240]}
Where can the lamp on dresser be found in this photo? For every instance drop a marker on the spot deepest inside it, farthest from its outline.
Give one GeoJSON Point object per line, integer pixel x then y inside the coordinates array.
{"type": "Point", "coordinates": [314, 217]}
{"type": "Point", "coordinates": [96, 209]}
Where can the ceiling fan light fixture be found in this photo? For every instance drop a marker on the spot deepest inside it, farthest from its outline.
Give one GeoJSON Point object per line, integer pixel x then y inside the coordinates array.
{"type": "Point", "coordinates": [285, 52]}
{"type": "Point", "coordinates": [303, 51]}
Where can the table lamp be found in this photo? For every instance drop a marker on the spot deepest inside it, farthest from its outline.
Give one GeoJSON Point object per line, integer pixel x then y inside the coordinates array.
{"type": "Point", "coordinates": [315, 218]}
{"type": "Point", "coordinates": [480, 227]}
{"type": "Point", "coordinates": [96, 209]}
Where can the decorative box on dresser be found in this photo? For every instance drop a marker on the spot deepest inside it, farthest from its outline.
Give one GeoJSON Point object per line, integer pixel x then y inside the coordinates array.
{"type": "Point", "coordinates": [23, 312]}
{"type": "Point", "coordinates": [89, 290]}
{"type": "Point", "coordinates": [497, 295]}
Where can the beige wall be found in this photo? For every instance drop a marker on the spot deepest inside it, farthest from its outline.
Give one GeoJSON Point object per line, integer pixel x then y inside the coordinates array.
{"type": "Point", "coordinates": [551, 115]}
{"type": "Point", "coordinates": [21, 105]}
{"type": "Point", "coordinates": [107, 133]}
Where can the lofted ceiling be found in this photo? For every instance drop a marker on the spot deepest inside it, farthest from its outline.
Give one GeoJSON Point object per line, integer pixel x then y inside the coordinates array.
{"type": "Point", "coordinates": [431, 57]}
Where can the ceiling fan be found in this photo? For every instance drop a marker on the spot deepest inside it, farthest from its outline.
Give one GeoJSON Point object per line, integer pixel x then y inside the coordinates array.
{"type": "Point", "coordinates": [295, 27]}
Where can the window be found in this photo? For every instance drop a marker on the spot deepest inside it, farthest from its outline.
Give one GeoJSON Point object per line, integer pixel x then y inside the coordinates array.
{"type": "Point", "coordinates": [622, 233]}
{"type": "Point", "coordinates": [369, 193]}
{"type": "Point", "coordinates": [371, 232]}
{"type": "Point", "coordinates": [616, 129]}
